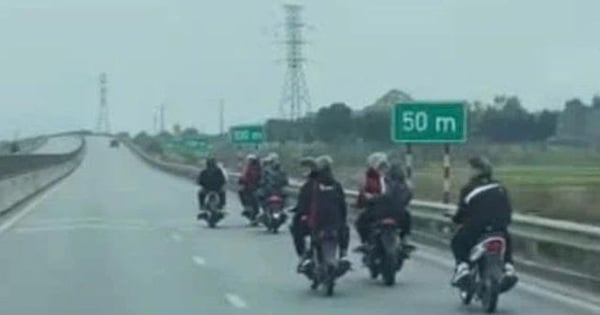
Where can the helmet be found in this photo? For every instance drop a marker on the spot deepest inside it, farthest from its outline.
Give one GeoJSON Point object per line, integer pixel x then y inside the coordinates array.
{"type": "Point", "coordinates": [251, 157]}
{"type": "Point", "coordinates": [309, 162]}
{"type": "Point", "coordinates": [324, 162]}
{"type": "Point", "coordinates": [482, 165]}
{"type": "Point", "coordinates": [273, 158]}
{"type": "Point", "coordinates": [211, 162]}
{"type": "Point", "coordinates": [397, 172]}
{"type": "Point", "coordinates": [377, 159]}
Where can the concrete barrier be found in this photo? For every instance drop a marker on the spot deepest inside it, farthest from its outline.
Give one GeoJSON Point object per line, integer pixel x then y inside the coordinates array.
{"type": "Point", "coordinates": [24, 176]}
{"type": "Point", "coordinates": [560, 251]}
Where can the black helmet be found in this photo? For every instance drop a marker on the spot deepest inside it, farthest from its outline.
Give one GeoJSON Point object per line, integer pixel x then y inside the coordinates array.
{"type": "Point", "coordinates": [211, 162]}
{"type": "Point", "coordinates": [397, 172]}
{"type": "Point", "coordinates": [482, 165]}
{"type": "Point", "coordinates": [309, 162]}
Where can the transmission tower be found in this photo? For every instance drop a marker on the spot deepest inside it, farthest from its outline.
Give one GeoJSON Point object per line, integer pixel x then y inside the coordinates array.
{"type": "Point", "coordinates": [295, 99]}
{"type": "Point", "coordinates": [103, 124]}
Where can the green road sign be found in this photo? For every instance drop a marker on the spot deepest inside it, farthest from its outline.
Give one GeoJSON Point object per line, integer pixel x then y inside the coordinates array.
{"type": "Point", "coordinates": [188, 145]}
{"type": "Point", "coordinates": [247, 134]}
{"type": "Point", "coordinates": [429, 122]}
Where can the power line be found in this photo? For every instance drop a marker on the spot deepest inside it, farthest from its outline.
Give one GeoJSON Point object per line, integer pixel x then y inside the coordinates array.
{"type": "Point", "coordinates": [295, 99]}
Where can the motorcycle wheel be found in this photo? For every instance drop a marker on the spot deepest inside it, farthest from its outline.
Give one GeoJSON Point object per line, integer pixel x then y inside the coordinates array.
{"type": "Point", "coordinates": [389, 270]}
{"type": "Point", "coordinates": [373, 272]}
{"type": "Point", "coordinates": [489, 295]}
{"type": "Point", "coordinates": [212, 223]}
{"type": "Point", "coordinates": [330, 283]}
{"type": "Point", "coordinates": [466, 296]}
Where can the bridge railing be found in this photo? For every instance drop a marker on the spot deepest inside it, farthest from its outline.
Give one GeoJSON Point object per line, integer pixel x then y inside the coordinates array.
{"type": "Point", "coordinates": [561, 251]}
{"type": "Point", "coordinates": [24, 176]}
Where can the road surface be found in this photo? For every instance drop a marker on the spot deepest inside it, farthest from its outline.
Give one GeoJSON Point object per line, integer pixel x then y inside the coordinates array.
{"type": "Point", "coordinates": [58, 145]}
{"type": "Point", "coordinates": [118, 237]}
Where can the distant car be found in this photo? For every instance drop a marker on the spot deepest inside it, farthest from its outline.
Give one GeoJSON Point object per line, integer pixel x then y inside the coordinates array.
{"type": "Point", "coordinates": [114, 143]}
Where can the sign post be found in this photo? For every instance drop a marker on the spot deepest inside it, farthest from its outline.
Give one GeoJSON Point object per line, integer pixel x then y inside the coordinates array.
{"type": "Point", "coordinates": [430, 123]}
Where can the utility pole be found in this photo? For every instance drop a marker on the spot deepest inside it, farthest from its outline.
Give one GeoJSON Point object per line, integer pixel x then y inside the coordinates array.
{"type": "Point", "coordinates": [155, 122]}
{"type": "Point", "coordinates": [103, 124]}
{"type": "Point", "coordinates": [295, 99]}
{"type": "Point", "coordinates": [221, 117]}
{"type": "Point", "coordinates": [162, 117]}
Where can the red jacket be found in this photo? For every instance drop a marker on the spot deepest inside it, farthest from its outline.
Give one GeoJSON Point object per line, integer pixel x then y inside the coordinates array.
{"type": "Point", "coordinates": [250, 177]}
{"type": "Point", "coordinates": [372, 186]}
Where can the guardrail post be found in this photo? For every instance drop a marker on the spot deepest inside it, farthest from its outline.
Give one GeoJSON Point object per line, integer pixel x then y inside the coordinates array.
{"type": "Point", "coordinates": [409, 161]}
{"type": "Point", "coordinates": [446, 197]}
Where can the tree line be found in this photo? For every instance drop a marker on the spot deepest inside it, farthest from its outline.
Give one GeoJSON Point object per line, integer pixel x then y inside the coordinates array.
{"type": "Point", "coordinates": [503, 121]}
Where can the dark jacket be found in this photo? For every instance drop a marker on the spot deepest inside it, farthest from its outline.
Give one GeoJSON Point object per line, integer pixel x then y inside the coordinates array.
{"type": "Point", "coordinates": [305, 196]}
{"type": "Point", "coordinates": [394, 201]}
{"type": "Point", "coordinates": [251, 177]}
{"type": "Point", "coordinates": [273, 180]}
{"type": "Point", "coordinates": [211, 179]}
{"type": "Point", "coordinates": [327, 204]}
{"type": "Point", "coordinates": [484, 202]}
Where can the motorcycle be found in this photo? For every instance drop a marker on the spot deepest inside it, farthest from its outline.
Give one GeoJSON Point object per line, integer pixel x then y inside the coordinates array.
{"type": "Point", "coordinates": [325, 267]}
{"type": "Point", "coordinates": [484, 282]}
{"type": "Point", "coordinates": [274, 215]}
{"type": "Point", "coordinates": [214, 213]}
{"type": "Point", "coordinates": [250, 205]}
{"type": "Point", "coordinates": [386, 254]}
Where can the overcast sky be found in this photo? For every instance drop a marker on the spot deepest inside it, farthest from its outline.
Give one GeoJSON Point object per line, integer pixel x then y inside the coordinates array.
{"type": "Point", "coordinates": [189, 53]}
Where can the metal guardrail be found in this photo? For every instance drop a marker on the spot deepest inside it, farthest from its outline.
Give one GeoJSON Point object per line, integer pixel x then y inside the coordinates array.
{"type": "Point", "coordinates": [556, 250]}
{"type": "Point", "coordinates": [24, 176]}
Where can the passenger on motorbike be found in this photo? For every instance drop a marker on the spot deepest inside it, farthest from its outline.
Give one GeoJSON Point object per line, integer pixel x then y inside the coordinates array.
{"type": "Point", "coordinates": [212, 178]}
{"type": "Point", "coordinates": [299, 227]}
{"type": "Point", "coordinates": [373, 188]}
{"type": "Point", "coordinates": [394, 203]}
{"type": "Point", "coordinates": [484, 204]}
{"type": "Point", "coordinates": [274, 179]}
{"type": "Point", "coordinates": [249, 181]}
{"type": "Point", "coordinates": [326, 206]}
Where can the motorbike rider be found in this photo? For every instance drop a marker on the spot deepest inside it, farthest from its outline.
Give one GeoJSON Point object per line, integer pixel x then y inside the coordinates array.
{"type": "Point", "coordinates": [274, 179]}
{"type": "Point", "coordinates": [212, 178]}
{"type": "Point", "coordinates": [299, 227]}
{"type": "Point", "coordinates": [249, 181]}
{"type": "Point", "coordinates": [484, 206]}
{"type": "Point", "coordinates": [394, 203]}
{"type": "Point", "coordinates": [326, 206]}
{"type": "Point", "coordinates": [373, 188]}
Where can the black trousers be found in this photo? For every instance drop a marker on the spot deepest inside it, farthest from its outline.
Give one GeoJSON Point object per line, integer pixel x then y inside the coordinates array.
{"type": "Point", "coordinates": [202, 196]}
{"type": "Point", "coordinates": [467, 237]}
{"type": "Point", "coordinates": [300, 230]}
{"type": "Point", "coordinates": [249, 198]}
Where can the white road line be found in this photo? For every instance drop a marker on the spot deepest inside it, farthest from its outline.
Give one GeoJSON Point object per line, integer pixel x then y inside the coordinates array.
{"type": "Point", "coordinates": [88, 226]}
{"type": "Point", "coordinates": [41, 222]}
{"type": "Point", "coordinates": [176, 237]}
{"type": "Point", "coordinates": [199, 260]}
{"type": "Point", "coordinates": [528, 287]}
{"type": "Point", "coordinates": [235, 300]}
{"type": "Point", "coordinates": [5, 226]}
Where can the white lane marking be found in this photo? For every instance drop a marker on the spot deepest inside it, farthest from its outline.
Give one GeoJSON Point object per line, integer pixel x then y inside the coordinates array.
{"type": "Point", "coordinates": [89, 226]}
{"type": "Point", "coordinates": [235, 300]}
{"type": "Point", "coordinates": [199, 260]}
{"type": "Point", "coordinates": [176, 237]}
{"type": "Point", "coordinates": [28, 208]}
{"type": "Point", "coordinates": [41, 222]}
{"type": "Point", "coordinates": [528, 287]}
